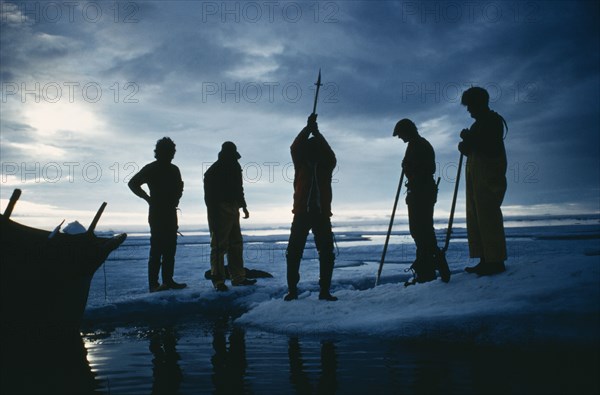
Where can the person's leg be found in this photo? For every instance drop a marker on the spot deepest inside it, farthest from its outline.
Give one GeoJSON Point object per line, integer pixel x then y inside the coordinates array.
{"type": "Point", "coordinates": [295, 249]}
{"type": "Point", "coordinates": [439, 259]}
{"type": "Point", "coordinates": [235, 252]}
{"type": "Point", "coordinates": [165, 223]}
{"type": "Point", "coordinates": [321, 227]}
{"type": "Point", "coordinates": [154, 260]}
{"type": "Point", "coordinates": [489, 194]}
{"type": "Point", "coordinates": [169, 247]}
{"type": "Point", "coordinates": [473, 232]}
{"type": "Point", "coordinates": [219, 239]}
{"type": "Point", "coordinates": [156, 248]}
{"type": "Point", "coordinates": [420, 209]}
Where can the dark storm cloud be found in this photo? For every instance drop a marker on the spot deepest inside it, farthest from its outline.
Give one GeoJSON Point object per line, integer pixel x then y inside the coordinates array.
{"type": "Point", "coordinates": [382, 60]}
{"type": "Point", "coordinates": [506, 54]}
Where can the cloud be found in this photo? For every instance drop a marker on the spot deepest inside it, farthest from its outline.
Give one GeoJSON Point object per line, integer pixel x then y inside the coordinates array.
{"type": "Point", "coordinates": [202, 77]}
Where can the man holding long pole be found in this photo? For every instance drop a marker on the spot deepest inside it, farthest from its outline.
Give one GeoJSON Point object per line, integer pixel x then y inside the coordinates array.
{"type": "Point", "coordinates": [483, 144]}
{"type": "Point", "coordinates": [314, 162]}
{"type": "Point", "coordinates": [418, 166]}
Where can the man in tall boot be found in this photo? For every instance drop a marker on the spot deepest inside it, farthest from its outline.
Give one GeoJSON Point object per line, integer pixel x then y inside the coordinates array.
{"type": "Point", "coordinates": [419, 166]}
{"type": "Point", "coordinates": [224, 196]}
{"type": "Point", "coordinates": [483, 144]}
{"type": "Point", "coordinates": [314, 161]}
{"type": "Point", "coordinates": [166, 188]}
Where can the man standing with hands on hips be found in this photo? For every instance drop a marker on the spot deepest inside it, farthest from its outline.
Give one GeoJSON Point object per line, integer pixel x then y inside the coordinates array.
{"type": "Point", "coordinates": [166, 188]}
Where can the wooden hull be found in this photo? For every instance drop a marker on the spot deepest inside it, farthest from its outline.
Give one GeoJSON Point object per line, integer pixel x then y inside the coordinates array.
{"type": "Point", "coordinates": [45, 282]}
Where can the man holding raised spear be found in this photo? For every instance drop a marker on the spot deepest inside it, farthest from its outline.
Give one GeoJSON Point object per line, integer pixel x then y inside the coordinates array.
{"type": "Point", "coordinates": [314, 161]}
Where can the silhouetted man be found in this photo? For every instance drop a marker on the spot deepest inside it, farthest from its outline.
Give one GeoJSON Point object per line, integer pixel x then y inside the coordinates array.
{"type": "Point", "coordinates": [224, 196]}
{"type": "Point", "coordinates": [314, 162]}
{"type": "Point", "coordinates": [483, 144]}
{"type": "Point", "coordinates": [166, 187]}
{"type": "Point", "coordinates": [419, 166]}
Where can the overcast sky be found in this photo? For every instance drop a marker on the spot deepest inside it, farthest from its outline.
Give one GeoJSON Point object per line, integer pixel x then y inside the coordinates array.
{"type": "Point", "coordinates": [88, 87]}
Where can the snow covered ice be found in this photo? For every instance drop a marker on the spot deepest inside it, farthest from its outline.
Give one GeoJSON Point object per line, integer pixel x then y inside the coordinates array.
{"type": "Point", "coordinates": [549, 293]}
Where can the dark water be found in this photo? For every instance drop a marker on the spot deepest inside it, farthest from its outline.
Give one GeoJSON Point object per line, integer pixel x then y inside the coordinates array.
{"type": "Point", "coordinates": [213, 356]}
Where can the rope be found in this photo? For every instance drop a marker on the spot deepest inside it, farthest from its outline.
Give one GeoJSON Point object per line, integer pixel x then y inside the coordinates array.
{"type": "Point", "coordinates": [105, 291]}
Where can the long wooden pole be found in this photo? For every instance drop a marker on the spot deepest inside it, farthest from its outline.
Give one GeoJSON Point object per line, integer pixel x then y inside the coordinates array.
{"type": "Point", "coordinates": [387, 238]}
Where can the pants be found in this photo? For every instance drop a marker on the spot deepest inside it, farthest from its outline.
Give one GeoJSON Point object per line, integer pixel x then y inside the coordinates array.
{"type": "Point", "coordinates": [226, 238]}
{"type": "Point", "coordinates": [420, 202]}
{"type": "Point", "coordinates": [321, 228]}
{"type": "Point", "coordinates": [486, 186]}
{"type": "Point", "coordinates": [163, 244]}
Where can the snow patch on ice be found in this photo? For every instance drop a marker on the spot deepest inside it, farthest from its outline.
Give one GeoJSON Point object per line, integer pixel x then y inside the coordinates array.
{"type": "Point", "coordinates": [527, 303]}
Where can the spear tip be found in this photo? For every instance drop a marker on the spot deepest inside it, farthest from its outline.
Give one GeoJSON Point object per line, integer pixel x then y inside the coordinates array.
{"type": "Point", "coordinates": [318, 84]}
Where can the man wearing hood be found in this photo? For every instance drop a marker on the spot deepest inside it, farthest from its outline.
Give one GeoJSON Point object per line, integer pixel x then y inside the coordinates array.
{"type": "Point", "coordinates": [224, 196]}
{"type": "Point", "coordinates": [314, 162]}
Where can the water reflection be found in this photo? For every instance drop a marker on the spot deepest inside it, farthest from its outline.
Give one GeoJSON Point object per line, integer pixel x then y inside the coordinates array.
{"type": "Point", "coordinates": [229, 364]}
{"type": "Point", "coordinates": [222, 358]}
{"type": "Point", "coordinates": [45, 362]}
{"type": "Point", "coordinates": [166, 372]}
{"type": "Point", "coordinates": [328, 378]}
{"type": "Point", "coordinates": [299, 378]}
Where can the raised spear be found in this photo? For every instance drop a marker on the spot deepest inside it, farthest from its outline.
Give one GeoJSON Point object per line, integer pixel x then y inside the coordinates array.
{"type": "Point", "coordinates": [318, 84]}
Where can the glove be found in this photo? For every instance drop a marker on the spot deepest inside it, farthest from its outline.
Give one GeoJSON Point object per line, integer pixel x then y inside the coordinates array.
{"type": "Point", "coordinates": [312, 123]}
{"type": "Point", "coordinates": [464, 149]}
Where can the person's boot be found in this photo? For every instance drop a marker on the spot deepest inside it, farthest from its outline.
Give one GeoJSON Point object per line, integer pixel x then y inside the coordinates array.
{"type": "Point", "coordinates": [168, 268]}
{"type": "Point", "coordinates": [221, 287]}
{"type": "Point", "coordinates": [292, 274]}
{"type": "Point", "coordinates": [476, 268]}
{"type": "Point", "coordinates": [291, 295]}
{"type": "Point", "coordinates": [427, 276]}
{"type": "Point", "coordinates": [153, 270]}
{"type": "Point", "coordinates": [442, 265]}
{"type": "Point", "coordinates": [325, 283]}
{"type": "Point", "coordinates": [423, 272]}
{"type": "Point", "coordinates": [162, 287]}
{"type": "Point", "coordinates": [173, 285]}
{"type": "Point", "coordinates": [491, 268]}
{"type": "Point", "coordinates": [325, 295]}
{"type": "Point", "coordinates": [326, 263]}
